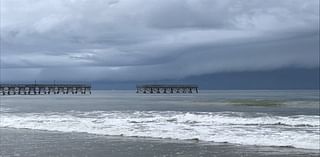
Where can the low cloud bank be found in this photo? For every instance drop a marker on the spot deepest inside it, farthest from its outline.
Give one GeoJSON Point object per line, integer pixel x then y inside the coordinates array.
{"type": "Point", "coordinates": [124, 40]}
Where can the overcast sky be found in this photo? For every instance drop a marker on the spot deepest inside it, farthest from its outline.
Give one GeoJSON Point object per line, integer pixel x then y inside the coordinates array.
{"type": "Point", "coordinates": [129, 40]}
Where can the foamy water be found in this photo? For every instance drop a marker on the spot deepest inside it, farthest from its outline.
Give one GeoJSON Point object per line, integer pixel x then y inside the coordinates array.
{"type": "Point", "coordinates": [299, 131]}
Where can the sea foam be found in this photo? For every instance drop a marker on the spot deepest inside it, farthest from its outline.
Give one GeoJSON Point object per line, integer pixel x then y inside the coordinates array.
{"type": "Point", "coordinates": [299, 131]}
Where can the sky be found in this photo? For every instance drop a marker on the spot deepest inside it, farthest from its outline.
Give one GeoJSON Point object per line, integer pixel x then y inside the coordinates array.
{"type": "Point", "coordinates": [114, 41]}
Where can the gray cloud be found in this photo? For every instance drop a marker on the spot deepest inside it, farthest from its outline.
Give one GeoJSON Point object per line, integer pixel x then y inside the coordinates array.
{"type": "Point", "coordinates": [151, 39]}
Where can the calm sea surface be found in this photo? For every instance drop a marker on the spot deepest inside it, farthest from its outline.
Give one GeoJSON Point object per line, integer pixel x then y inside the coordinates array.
{"type": "Point", "coordinates": [248, 117]}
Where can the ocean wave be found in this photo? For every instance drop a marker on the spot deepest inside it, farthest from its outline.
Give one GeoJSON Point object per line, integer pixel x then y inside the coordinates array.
{"type": "Point", "coordinates": [4, 109]}
{"type": "Point", "coordinates": [301, 131]}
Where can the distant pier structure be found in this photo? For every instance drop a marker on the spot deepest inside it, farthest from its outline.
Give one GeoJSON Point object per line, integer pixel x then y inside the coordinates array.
{"type": "Point", "coordinates": [166, 88]}
{"type": "Point", "coordinates": [44, 89]}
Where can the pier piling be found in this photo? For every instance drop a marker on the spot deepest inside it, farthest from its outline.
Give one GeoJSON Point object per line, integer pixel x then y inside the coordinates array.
{"type": "Point", "coordinates": [44, 89]}
{"type": "Point", "coordinates": [166, 89]}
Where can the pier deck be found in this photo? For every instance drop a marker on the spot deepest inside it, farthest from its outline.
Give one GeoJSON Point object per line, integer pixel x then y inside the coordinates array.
{"type": "Point", "coordinates": [166, 88]}
{"type": "Point", "coordinates": [41, 89]}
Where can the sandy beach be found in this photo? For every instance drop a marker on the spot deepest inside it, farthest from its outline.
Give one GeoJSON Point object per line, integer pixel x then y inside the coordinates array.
{"type": "Point", "coordinates": [36, 143]}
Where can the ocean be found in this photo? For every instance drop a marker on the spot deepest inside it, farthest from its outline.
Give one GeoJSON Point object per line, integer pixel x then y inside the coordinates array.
{"type": "Point", "coordinates": [275, 121]}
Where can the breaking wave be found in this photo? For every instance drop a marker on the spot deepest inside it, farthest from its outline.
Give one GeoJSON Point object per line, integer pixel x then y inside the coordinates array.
{"type": "Point", "coordinates": [301, 131]}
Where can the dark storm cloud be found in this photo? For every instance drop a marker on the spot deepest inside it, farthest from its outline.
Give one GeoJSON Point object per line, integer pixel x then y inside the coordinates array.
{"type": "Point", "coordinates": [152, 39]}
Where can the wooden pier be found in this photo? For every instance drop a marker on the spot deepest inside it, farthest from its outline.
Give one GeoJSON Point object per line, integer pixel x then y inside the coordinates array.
{"type": "Point", "coordinates": [44, 89]}
{"type": "Point", "coordinates": [166, 89]}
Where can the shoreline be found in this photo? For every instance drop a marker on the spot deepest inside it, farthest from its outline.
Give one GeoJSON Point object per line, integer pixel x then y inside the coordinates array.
{"type": "Point", "coordinates": [27, 142]}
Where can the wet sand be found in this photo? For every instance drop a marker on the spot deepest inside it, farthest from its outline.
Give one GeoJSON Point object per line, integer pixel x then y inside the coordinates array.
{"type": "Point", "coordinates": [35, 143]}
